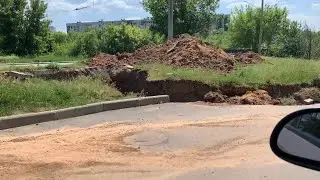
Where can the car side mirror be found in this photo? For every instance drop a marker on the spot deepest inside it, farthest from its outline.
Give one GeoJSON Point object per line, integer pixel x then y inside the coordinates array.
{"type": "Point", "coordinates": [296, 138]}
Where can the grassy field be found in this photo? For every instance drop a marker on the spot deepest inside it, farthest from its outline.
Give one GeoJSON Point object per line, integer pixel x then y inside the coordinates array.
{"type": "Point", "coordinates": [272, 71]}
{"type": "Point", "coordinates": [44, 58]}
{"type": "Point", "coordinates": [39, 95]}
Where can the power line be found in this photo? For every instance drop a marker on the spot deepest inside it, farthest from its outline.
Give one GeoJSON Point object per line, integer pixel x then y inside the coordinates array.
{"type": "Point", "coordinates": [85, 7]}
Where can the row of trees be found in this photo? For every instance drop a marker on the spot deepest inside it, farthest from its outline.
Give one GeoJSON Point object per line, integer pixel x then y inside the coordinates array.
{"type": "Point", "coordinates": [24, 31]}
{"type": "Point", "coordinates": [281, 36]}
{"type": "Point", "coordinates": [110, 39]}
{"type": "Point", "coordinates": [190, 16]}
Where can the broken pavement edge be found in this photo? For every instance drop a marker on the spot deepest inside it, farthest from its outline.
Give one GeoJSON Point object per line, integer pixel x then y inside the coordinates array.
{"type": "Point", "coordinates": [7, 122]}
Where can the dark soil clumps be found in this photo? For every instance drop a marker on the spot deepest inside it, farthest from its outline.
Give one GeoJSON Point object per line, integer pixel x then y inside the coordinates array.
{"type": "Point", "coordinates": [248, 58]}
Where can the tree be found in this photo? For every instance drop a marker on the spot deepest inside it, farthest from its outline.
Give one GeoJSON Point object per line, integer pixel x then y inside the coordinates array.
{"type": "Point", "coordinates": [288, 41]}
{"type": "Point", "coordinates": [190, 16]}
{"type": "Point", "coordinates": [59, 37]}
{"type": "Point", "coordinates": [37, 28]}
{"type": "Point", "coordinates": [23, 27]}
{"type": "Point", "coordinates": [125, 38]}
{"type": "Point", "coordinates": [12, 24]}
{"type": "Point", "coordinates": [244, 25]}
{"type": "Point", "coordinates": [87, 44]}
{"type": "Point", "coordinates": [315, 51]}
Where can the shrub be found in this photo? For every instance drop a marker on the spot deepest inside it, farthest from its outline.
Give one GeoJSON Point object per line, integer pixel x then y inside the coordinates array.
{"type": "Point", "coordinates": [219, 38]}
{"type": "Point", "coordinates": [59, 37]}
{"type": "Point", "coordinates": [53, 66]}
{"type": "Point", "coordinates": [64, 49]}
{"type": "Point", "coordinates": [86, 45]}
{"type": "Point", "coordinates": [63, 43]}
{"type": "Point", "coordinates": [125, 38]}
{"type": "Point", "coordinates": [110, 39]}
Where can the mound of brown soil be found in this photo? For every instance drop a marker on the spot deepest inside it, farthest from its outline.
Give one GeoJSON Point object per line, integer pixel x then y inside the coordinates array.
{"type": "Point", "coordinates": [183, 51]}
{"type": "Point", "coordinates": [215, 97]}
{"type": "Point", "coordinates": [248, 58]}
{"type": "Point", "coordinates": [259, 97]}
{"type": "Point", "coordinates": [105, 60]}
{"type": "Point", "coordinates": [191, 52]}
{"type": "Point", "coordinates": [307, 93]}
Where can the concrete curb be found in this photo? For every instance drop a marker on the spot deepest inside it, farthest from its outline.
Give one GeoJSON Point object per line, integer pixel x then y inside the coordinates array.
{"type": "Point", "coordinates": [34, 118]}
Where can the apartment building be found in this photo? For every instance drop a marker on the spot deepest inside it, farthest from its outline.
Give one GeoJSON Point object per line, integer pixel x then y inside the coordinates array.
{"type": "Point", "coordinates": [83, 26]}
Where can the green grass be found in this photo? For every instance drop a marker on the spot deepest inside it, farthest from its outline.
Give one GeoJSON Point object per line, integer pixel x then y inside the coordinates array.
{"type": "Point", "coordinates": [272, 71]}
{"type": "Point", "coordinates": [35, 95]}
{"type": "Point", "coordinates": [43, 58]}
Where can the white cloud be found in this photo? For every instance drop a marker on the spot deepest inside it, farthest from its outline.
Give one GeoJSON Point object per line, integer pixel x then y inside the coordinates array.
{"type": "Point", "coordinates": [133, 18]}
{"type": "Point", "coordinates": [315, 6]}
{"type": "Point", "coordinates": [289, 6]}
{"type": "Point", "coordinates": [233, 5]}
{"type": "Point", "coordinates": [55, 6]}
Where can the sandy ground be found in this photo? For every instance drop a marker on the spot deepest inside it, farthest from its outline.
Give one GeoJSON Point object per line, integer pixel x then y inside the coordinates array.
{"type": "Point", "coordinates": [143, 150]}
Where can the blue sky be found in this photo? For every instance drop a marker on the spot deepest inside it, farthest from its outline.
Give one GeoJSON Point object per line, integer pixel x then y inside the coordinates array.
{"type": "Point", "coordinates": [62, 11]}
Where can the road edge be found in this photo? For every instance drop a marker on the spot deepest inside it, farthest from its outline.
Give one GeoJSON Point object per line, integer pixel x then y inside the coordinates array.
{"type": "Point", "coordinates": [8, 122]}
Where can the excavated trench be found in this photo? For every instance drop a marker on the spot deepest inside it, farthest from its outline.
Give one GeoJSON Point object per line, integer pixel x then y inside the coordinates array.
{"type": "Point", "coordinates": [127, 81]}
{"type": "Point", "coordinates": [191, 91]}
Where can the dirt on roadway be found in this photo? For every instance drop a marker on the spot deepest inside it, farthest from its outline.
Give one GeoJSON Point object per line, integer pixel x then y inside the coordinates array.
{"type": "Point", "coordinates": [144, 150]}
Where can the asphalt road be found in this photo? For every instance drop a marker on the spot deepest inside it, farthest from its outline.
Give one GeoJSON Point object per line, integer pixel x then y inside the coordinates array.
{"type": "Point", "coordinates": [168, 141]}
{"type": "Point", "coordinates": [153, 113]}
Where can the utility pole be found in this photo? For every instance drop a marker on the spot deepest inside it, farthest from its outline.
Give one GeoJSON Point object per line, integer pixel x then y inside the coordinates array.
{"type": "Point", "coordinates": [261, 27]}
{"type": "Point", "coordinates": [170, 19]}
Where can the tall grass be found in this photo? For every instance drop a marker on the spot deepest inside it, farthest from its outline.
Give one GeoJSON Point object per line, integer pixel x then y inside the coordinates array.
{"type": "Point", "coordinates": [37, 95]}
{"type": "Point", "coordinates": [272, 71]}
{"type": "Point", "coordinates": [43, 58]}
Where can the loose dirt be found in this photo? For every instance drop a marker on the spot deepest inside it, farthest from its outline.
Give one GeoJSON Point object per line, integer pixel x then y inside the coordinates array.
{"type": "Point", "coordinates": [123, 150]}
{"type": "Point", "coordinates": [183, 51]}
{"type": "Point", "coordinates": [258, 97]}
{"type": "Point", "coordinates": [106, 60]}
{"type": "Point", "coordinates": [307, 93]}
{"type": "Point", "coordinates": [248, 58]}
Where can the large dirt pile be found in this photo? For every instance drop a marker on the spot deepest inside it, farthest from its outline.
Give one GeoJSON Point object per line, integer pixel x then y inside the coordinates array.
{"type": "Point", "coordinates": [183, 51]}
